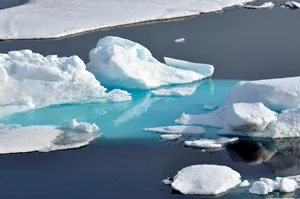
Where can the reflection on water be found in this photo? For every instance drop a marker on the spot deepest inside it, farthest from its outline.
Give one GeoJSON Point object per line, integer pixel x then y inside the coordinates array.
{"type": "Point", "coordinates": [11, 3]}
{"type": "Point", "coordinates": [280, 156]}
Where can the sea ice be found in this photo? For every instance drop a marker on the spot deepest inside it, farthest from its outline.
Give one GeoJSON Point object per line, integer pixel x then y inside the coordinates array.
{"type": "Point", "coordinates": [204, 69]}
{"type": "Point", "coordinates": [30, 80]}
{"type": "Point", "coordinates": [263, 6]}
{"type": "Point", "coordinates": [179, 41]}
{"type": "Point", "coordinates": [177, 129]}
{"type": "Point", "coordinates": [287, 185]}
{"type": "Point", "coordinates": [245, 183]}
{"type": "Point", "coordinates": [19, 139]}
{"type": "Point", "coordinates": [259, 188]}
{"type": "Point", "coordinates": [184, 90]}
{"type": "Point", "coordinates": [170, 136]}
{"type": "Point", "coordinates": [292, 4]}
{"type": "Point", "coordinates": [122, 63]}
{"type": "Point", "coordinates": [167, 181]}
{"type": "Point", "coordinates": [210, 143]}
{"type": "Point", "coordinates": [205, 179]}
{"type": "Point", "coordinates": [78, 16]}
{"type": "Point", "coordinates": [85, 127]}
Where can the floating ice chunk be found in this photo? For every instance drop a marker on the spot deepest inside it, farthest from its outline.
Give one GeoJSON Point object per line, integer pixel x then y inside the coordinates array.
{"type": "Point", "coordinates": [292, 4]}
{"type": "Point", "coordinates": [75, 16]}
{"type": "Point", "coordinates": [263, 6]}
{"type": "Point", "coordinates": [179, 41]}
{"type": "Point", "coordinates": [276, 94]}
{"type": "Point", "coordinates": [42, 139]}
{"type": "Point", "coordinates": [209, 107]}
{"type": "Point", "coordinates": [259, 188]}
{"type": "Point", "coordinates": [245, 183]}
{"type": "Point", "coordinates": [177, 129]}
{"type": "Point", "coordinates": [85, 127]}
{"type": "Point", "coordinates": [287, 185]}
{"type": "Point", "coordinates": [167, 181]}
{"type": "Point", "coordinates": [209, 119]}
{"type": "Point", "coordinates": [210, 143]}
{"type": "Point", "coordinates": [30, 80]}
{"type": "Point", "coordinates": [205, 179]}
{"type": "Point", "coordinates": [122, 63]}
{"type": "Point", "coordinates": [175, 91]}
{"type": "Point", "coordinates": [171, 136]}
{"type": "Point", "coordinates": [204, 69]}
{"type": "Point", "coordinates": [248, 116]}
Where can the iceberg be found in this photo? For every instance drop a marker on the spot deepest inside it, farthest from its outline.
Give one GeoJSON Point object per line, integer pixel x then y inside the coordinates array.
{"type": "Point", "coordinates": [205, 179]}
{"type": "Point", "coordinates": [210, 143]}
{"type": "Point", "coordinates": [177, 129]}
{"type": "Point", "coordinates": [79, 16]}
{"type": "Point", "coordinates": [266, 5]}
{"type": "Point", "coordinates": [171, 136]}
{"type": "Point", "coordinates": [18, 139]}
{"type": "Point", "coordinates": [292, 4]}
{"type": "Point", "coordinates": [30, 80]}
{"type": "Point", "coordinates": [122, 63]}
{"type": "Point", "coordinates": [205, 69]}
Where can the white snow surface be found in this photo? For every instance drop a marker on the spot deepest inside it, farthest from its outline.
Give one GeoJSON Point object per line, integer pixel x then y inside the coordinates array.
{"type": "Point", "coordinates": [17, 139]}
{"type": "Point", "coordinates": [205, 69]}
{"type": "Point", "coordinates": [263, 6]}
{"type": "Point", "coordinates": [205, 179]}
{"type": "Point", "coordinates": [210, 143]}
{"type": "Point", "coordinates": [51, 19]}
{"type": "Point", "coordinates": [179, 40]}
{"type": "Point", "coordinates": [245, 183]}
{"type": "Point", "coordinates": [122, 63]}
{"type": "Point", "coordinates": [292, 4]}
{"type": "Point", "coordinates": [170, 136]}
{"type": "Point", "coordinates": [30, 80]}
{"type": "Point", "coordinates": [177, 129]}
{"type": "Point", "coordinates": [176, 91]}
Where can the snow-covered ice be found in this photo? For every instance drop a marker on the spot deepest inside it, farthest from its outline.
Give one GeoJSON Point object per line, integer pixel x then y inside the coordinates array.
{"type": "Point", "coordinates": [265, 186]}
{"type": "Point", "coordinates": [177, 129]}
{"type": "Point", "coordinates": [245, 183]}
{"type": "Point", "coordinates": [205, 179]}
{"type": "Point", "coordinates": [30, 80]}
{"type": "Point", "coordinates": [184, 90]}
{"type": "Point", "coordinates": [179, 40]}
{"type": "Point", "coordinates": [210, 143]}
{"type": "Point", "coordinates": [122, 63]}
{"type": "Point", "coordinates": [204, 69]}
{"type": "Point", "coordinates": [17, 139]}
{"type": "Point", "coordinates": [292, 4]}
{"type": "Point", "coordinates": [170, 136]}
{"type": "Point", "coordinates": [85, 127]}
{"type": "Point", "coordinates": [263, 6]}
{"type": "Point", "coordinates": [64, 17]}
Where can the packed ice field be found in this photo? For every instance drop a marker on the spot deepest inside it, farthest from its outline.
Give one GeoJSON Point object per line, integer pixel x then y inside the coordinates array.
{"type": "Point", "coordinates": [118, 70]}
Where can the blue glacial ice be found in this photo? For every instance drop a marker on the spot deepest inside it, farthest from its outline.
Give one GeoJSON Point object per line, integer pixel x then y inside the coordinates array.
{"type": "Point", "coordinates": [121, 63]}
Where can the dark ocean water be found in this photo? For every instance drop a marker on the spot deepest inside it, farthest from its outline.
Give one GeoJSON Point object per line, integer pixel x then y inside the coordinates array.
{"type": "Point", "coordinates": [241, 44]}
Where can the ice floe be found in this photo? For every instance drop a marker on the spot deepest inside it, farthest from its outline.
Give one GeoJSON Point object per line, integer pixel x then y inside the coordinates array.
{"type": "Point", "coordinates": [170, 136]}
{"type": "Point", "coordinates": [17, 139]}
{"type": "Point", "coordinates": [122, 63]}
{"type": "Point", "coordinates": [263, 6]}
{"type": "Point", "coordinates": [210, 143]}
{"type": "Point", "coordinates": [245, 183]}
{"type": "Point", "coordinates": [177, 129]}
{"type": "Point", "coordinates": [265, 186]}
{"type": "Point", "coordinates": [205, 179]}
{"type": "Point", "coordinates": [30, 80]}
{"type": "Point", "coordinates": [179, 40]}
{"type": "Point", "coordinates": [204, 69]}
{"type": "Point", "coordinates": [184, 90]}
{"type": "Point", "coordinates": [292, 4]}
{"type": "Point", "coordinates": [77, 16]}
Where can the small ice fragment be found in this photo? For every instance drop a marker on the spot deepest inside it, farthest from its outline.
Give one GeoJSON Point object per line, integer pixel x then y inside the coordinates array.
{"type": "Point", "coordinates": [205, 179]}
{"type": "Point", "coordinates": [208, 107]}
{"type": "Point", "coordinates": [171, 136]}
{"type": "Point", "coordinates": [179, 41]}
{"type": "Point", "coordinates": [177, 129]}
{"type": "Point", "coordinates": [259, 188]}
{"type": "Point", "coordinates": [245, 183]}
{"type": "Point", "coordinates": [263, 6]}
{"type": "Point", "coordinates": [210, 143]}
{"type": "Point", "coordinates": [287, 185]}
{"type": "Point", "coordinates": [167, 181]}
